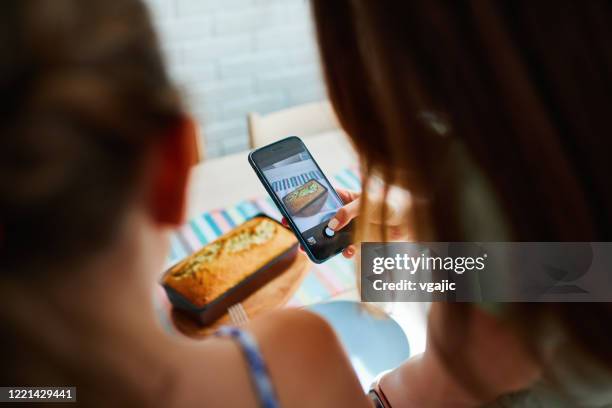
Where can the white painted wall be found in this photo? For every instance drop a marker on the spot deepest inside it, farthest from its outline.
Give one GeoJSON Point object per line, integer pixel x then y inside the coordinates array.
{"type": "Point", "coordinates": [232, 57]}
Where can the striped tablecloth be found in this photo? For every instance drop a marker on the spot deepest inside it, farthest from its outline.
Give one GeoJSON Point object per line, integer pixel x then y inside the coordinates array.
{"type": "Point", "coordinates": [332, 280]}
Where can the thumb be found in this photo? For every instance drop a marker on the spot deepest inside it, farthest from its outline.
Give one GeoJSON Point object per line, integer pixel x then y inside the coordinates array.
{"type": "Point", "coordinates": [344, 216]}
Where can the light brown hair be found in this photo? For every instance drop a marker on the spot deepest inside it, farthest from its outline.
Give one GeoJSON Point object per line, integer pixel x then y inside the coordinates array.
{"type": "Point", "coordinates": [84, 95]}
{"type": "Point", "coordinates": [523, 87]}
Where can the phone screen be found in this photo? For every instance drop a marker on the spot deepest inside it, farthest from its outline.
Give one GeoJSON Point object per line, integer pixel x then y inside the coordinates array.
{"type": "Point", "coordinates": [304, 192]}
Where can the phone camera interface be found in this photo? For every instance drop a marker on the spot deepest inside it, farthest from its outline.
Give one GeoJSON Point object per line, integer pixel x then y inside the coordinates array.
{"type": "Point", "coordinates": [328, 232]}
{"type": "Point", "coordinates": [304, 192]}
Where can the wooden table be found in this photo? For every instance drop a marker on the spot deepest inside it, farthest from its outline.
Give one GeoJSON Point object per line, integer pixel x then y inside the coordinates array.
{"type": "Point", "coordinates": [226, 180]}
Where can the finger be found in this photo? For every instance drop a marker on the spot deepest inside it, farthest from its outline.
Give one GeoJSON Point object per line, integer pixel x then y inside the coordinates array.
{"type": "Point", "coordinates": [349, 251]}
{"type": "Point", "coordinates": [347, 196]}
{"type": "Point", "coordinates": [344, 216]}
{"type": "Point", "coordinates": [286, 224]}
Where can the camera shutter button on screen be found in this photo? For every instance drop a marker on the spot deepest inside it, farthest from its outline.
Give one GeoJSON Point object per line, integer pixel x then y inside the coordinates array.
{"type": "Point", "coordinates": [328, 232]}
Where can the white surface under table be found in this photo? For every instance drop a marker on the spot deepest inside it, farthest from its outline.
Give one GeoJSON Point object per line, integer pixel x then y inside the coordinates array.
{"type": "Point", "coordinates": [224, 181]}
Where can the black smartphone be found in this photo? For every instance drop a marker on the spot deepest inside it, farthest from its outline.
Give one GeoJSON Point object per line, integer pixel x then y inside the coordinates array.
{"type": "Point", "coordinates": [303, 195]}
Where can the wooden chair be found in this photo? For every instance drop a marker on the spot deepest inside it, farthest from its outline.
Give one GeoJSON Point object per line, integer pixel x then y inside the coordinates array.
{"type": "Point", "coordinates": [303, 121]}
{"type": "Point", "coordinates": [199, 141]}
{"type": "Point", "coordinates": [195, 130]}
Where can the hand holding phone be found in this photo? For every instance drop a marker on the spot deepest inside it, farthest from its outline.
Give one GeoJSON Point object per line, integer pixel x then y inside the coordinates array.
{"type": "Point", "coordinates": [304, 196]}
{"type": "Point", "coordinates": [344, 215]}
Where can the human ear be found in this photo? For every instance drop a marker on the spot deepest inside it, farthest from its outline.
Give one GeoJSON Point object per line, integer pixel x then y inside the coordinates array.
{"type": "Point", "coordinates": [172, 158]}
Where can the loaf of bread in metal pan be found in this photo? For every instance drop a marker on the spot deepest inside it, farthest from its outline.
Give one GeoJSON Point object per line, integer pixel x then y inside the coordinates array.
{"type": "Point", "coordinates": [227, 261]}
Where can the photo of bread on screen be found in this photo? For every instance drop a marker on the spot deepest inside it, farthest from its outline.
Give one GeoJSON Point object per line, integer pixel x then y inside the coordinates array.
{"type": "Point", "coordinates": [307, 199]}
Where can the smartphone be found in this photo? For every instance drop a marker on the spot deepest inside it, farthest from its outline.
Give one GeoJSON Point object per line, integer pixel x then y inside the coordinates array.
{"type": "Point", "coordinates": [303, 195]}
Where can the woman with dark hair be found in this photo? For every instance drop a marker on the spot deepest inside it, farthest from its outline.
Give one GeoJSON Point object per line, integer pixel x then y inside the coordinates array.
{"type": "Point", "coordinates": [495, 116]}
{"type": "Point", "coordinates": [95, 151]}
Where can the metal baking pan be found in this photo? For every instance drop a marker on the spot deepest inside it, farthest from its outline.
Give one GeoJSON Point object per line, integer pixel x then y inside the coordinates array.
{"type": "Point", "coordinates": [209, 313]}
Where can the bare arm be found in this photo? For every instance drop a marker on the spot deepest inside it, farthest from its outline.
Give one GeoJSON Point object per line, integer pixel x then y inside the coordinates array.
{"type": "Point", "coordinates": [307, 362]}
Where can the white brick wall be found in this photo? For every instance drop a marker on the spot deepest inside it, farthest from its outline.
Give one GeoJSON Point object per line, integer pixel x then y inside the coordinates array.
{"type": "Point", "coordinates": [232, 57]}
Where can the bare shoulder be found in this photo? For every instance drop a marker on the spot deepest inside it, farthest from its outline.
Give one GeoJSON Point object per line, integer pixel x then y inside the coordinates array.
{"type": "Point", "coordinates": [500, 353]}
{"type": "Point", "coordinates": [306, 361]}
{"type": "Point", "coordinates": [492, 350]}
{"type": "Point", "coordinates": [307, 366]}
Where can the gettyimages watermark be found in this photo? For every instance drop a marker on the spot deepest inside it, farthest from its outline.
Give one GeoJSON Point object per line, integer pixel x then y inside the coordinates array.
{"type": "Point", "coordinates": [486, 272]}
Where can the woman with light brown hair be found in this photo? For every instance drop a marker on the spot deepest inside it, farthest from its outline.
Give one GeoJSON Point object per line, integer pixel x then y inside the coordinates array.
{"type": "Point", "coordinates": [95, 152]}
{"type": "Point", "coordinates": [495, 116]}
